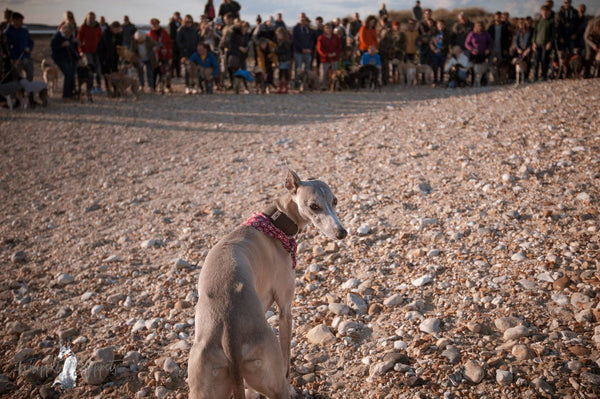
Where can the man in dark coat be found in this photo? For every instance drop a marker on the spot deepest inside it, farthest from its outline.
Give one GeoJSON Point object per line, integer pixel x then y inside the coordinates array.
{"type": "Point", "coordinates": [107, 48]}
{"type": "Point", "coordinates": [501, 37]}
{"type": "Point", "coordinates": [65, 55]}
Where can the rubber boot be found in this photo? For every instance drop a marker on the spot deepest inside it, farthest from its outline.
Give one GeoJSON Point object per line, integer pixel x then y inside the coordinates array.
{"type": "Point", "coordinates": [279, 87]}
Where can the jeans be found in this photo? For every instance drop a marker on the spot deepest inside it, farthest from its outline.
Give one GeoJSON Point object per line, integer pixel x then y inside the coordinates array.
{"type": "Point", "coordinates": [25, 64]}
{"type": "Point", "coordinates": [149, 73]}
{"type": "Point", "coordinates": [94, 60]}
{"type": "Point", "coordinates": [439, 60]}
{"type": "Point", "coordinates": [302, 59]}
{"type": "Point", "coordinates": [541, 56]}
{"type": "Point", "coordinates": [324, 72]}
{"type": "Point", "coordinates": [68, 69]}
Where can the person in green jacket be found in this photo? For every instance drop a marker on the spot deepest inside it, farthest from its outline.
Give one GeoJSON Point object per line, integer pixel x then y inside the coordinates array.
{"type": "Point", "coordinates": [544, 36]}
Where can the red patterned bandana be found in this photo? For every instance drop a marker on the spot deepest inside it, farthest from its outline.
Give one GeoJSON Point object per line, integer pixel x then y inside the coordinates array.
{"type": "Point", "coordinates": [262, 223]}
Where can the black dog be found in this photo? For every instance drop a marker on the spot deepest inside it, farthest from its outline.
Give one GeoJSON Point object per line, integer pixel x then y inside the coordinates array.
{"type": "Point", "coordinates": [85, 77]}
{"type": "Point", "coordinates": [365, 75]}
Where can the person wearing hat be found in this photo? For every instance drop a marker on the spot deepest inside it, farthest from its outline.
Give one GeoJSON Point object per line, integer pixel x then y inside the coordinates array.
{"type": "Point", "coordinates": [143, 50]}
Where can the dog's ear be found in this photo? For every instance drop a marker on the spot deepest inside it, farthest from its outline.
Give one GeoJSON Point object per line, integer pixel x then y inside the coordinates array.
{"type": "Point", "coordinates": [292, 181]}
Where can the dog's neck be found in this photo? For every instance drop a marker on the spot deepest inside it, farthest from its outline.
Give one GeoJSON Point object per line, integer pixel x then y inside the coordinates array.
{"type": "Point", "coordinates": [285, 215]}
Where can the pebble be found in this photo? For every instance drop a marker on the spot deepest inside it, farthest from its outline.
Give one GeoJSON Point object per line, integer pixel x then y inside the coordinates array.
{"type": "Point", "coordinates": [182, 264]}
{"type": "Point", "coordinates": [320, 335]}
{"type": "Point", "coordinates": [356, 303]}
{"type": "Point", "coordinates": [430, 326]}
{"type": "Point", "coordinates": [379, 369]}
{"type": "Point", "coordinates": [474, 372]}
{"type": "Point", "coordinates": [97, 309]}
{"type": "Point", "coordinates": [18, 256]}
{"type": "Point", "coordinates": [393, 300]}
{"type": "Point", "coordinates": [515, 333]}
{"type": "Point", "coordinates": [64, 279]}
{"type": "Point", "coordinates": [542, 386]}
{"type": "Point", "coordinates": [518, 257]}
{"type": "Point", "coordinates": [139, 325]}
{"type": "Point", "coordinates": [161, 391]}
{"type": "Point", "coordinates": [347, 326]}
{"type": "Point", "coordinates": [170, 366]}
{"type": "Point", "coordinates": [149, 243]}
{"type": "Point", "coordinates": [421, 281]}
{"type": "Point", "coordinates": [452, 354]}
{"type": "Point", "coordinates": [363, 229]}
{"type": "Point", "coordinates": [504, 377]}
{"type": "Point", "coordinates": [23, 355]}
{"type": "Point", "coordinates": [339, 309]}
{"type": "Point", "coordinates": [521, 352]}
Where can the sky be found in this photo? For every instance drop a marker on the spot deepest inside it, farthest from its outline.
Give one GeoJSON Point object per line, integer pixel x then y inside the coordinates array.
{"type": "Point", "coordinates": [141, 11]}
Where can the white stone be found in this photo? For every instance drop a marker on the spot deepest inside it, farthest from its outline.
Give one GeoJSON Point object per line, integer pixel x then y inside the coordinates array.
{"type": "Point", "coordinates": [363, 230]}
{"type": "Point", "coordinates": [320, 335]}
{"type": "Point", "coordinates": [421, 281]}
{"type": "Point", "coordinates": [431, 325]}
{"type": "Point", "coordinates": [504, 377]}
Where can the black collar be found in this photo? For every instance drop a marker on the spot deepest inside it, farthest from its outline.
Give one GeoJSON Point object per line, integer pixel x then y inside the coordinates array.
{"type": "Point", "coordinates": [281, 220]}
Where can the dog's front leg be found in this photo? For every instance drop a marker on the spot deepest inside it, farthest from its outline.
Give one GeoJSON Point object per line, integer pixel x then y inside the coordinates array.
{"type": "Point", "coordinates": [285, 334]}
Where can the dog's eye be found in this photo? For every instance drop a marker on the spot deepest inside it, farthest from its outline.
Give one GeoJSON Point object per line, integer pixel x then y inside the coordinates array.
{"type": "Point", "coordinates": [334, 202]}
{"type": "Point", "coordinates": [315, 207]}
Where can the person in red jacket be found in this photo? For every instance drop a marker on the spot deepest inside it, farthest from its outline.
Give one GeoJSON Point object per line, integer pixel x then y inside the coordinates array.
{"type": "Point", "coordinates": [165, 52]}
{"type": "Point", "coordinates": [89, 35]}
{"type": "Point", "coordinates": [329, 49]}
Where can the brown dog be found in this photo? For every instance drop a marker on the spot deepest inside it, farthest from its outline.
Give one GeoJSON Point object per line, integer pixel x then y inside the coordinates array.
{"type": "Point", "coordinates": [243, 275]}
{"type": "Point", "coordinates": [338, 79]}
{"type": "Point", "coordinates": [50, 75]}
{"type": "Point", "coordinates": [119, 82]}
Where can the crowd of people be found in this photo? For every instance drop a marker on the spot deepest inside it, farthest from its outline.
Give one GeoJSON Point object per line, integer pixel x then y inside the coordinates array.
{"type": "Point", "coordinates": [219, 47]}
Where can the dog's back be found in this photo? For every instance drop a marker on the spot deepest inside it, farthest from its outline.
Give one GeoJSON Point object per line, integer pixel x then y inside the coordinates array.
{"type": "Point", "coordinates": [236, 343]}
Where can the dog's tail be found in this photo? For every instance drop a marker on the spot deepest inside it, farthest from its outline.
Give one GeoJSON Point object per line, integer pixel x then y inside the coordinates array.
{"type": "Point", "coordinates": [44, 63]}
{"type": "Point", "coordinates": [233, 352]}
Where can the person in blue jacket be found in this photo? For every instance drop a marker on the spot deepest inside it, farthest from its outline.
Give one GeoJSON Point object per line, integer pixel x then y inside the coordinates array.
{"type": "Point", "coordinates": [66, 56]}
{"type": "Point", "coordinates": [20, 45]}
{"type": "Point", "coordinates": [208, 66]}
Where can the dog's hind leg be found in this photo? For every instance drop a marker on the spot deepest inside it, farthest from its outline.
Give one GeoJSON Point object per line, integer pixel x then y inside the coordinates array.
{"type": "Point", "coordinates": [209, 375]}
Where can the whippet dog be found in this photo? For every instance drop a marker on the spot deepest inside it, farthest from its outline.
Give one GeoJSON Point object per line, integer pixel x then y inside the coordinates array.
{"type": "Point", "coordinates": [243, 275]}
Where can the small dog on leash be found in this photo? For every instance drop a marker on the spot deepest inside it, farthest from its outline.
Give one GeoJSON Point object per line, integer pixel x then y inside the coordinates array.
{"type": "Point", "coordinates": [576, 65]}
{"type": "Point", "coordinates": [501, 70]}
{"type": "Point", "coordinates": [192, 70]}
{"type": "Point", "coordinates": [85, 78]}
{"type": "Point", "coordinates": [309, 80]}
{"type": "Point", "coordinates": [50, 75]}
{"type": "Point", "coordinates": [521, 69]}
{"type": "Point", "coordinates": [338, 79]}
{"type": "Point", "coordinates": [365, 75]}
{"type": "Point", "coordinates": [425, 72]}
{"type": "Point", "coordinates": [12, 93]}
{"type": "Point", "coordinates": [480, 71]}
{"type": "Point", "coordinates": [31, 89]}
{"type": "Point", "coordinates": [243, 275]}
{"type": "Point", "coordinates": [118, 83]}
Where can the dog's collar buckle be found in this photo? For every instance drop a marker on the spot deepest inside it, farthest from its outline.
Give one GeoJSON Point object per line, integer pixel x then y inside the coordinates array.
{"type": "Point", "coordinates": [281, 221]}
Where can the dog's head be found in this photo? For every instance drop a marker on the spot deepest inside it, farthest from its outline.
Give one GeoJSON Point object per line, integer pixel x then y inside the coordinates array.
{"type": "Point", "coordinates": [316, 204]}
